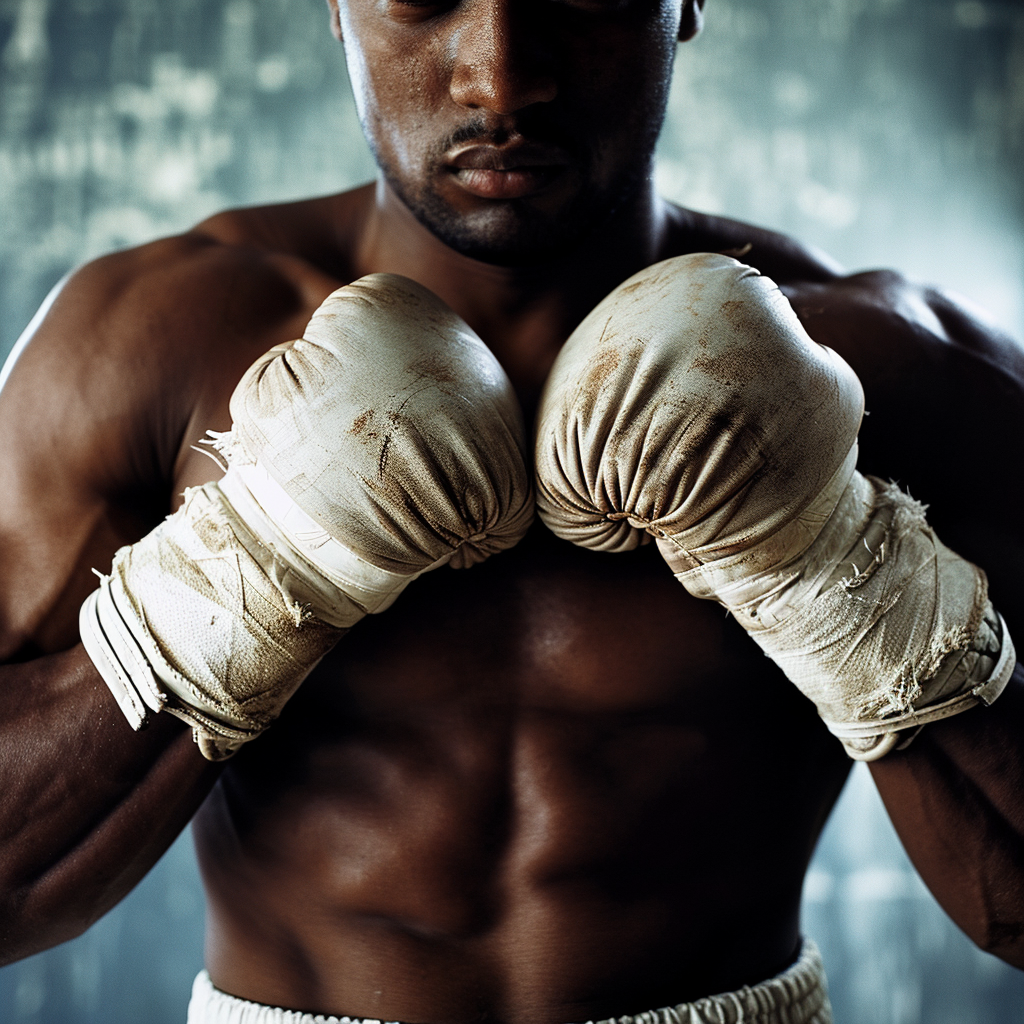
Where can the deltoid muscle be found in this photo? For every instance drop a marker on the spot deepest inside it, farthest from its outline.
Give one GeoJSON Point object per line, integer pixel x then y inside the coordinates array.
{"type": "Point", "coordinates": [692, 407]}
{"type": "Point", "coordinates": [384, 443]}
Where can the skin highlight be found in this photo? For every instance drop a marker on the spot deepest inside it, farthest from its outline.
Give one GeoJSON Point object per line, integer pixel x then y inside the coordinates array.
{"type": "Point", "coordinates": [553, 787]}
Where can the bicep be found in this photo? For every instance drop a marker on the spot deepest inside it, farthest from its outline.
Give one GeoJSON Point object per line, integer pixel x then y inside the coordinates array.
{"type": "Point", "coordinates": [951, 434]}
{"type": "Point", "coordinates": [66, 478]}
{"type": "Point", "coordinates": [944, 400]}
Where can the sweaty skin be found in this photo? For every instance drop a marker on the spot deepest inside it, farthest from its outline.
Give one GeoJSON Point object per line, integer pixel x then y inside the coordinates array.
{"type": "Point", "coordinates": [548, 788]}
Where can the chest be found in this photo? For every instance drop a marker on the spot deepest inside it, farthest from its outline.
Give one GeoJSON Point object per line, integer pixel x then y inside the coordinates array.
{"type": "Point", "coordinates": [537, 711]}
{"type": "Point", "coordinates": [544, 626]}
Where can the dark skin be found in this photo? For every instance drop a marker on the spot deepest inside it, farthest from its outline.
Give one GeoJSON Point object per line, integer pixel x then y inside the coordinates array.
{"type": "Point", "coordinates": [552, 787]}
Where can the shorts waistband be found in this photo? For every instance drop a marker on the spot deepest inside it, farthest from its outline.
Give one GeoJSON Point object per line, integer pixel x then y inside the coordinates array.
{"type": "Point", "coordinates": [798, 995]}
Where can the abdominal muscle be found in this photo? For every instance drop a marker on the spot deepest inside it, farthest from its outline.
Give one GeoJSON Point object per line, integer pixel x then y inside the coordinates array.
{"type": "Point", "coordinates": [549, 788]}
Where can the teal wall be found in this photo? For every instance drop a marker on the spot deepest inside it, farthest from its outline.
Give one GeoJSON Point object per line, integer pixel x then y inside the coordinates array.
{"type": "Point", "coordinates": [888, 132]}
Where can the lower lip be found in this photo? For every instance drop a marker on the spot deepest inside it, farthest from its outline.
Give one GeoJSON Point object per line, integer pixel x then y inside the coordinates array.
{"type": "Point", "coordinates": [515, 184]}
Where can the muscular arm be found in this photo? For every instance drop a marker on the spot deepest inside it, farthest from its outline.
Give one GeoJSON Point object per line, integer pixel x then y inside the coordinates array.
{"type": "Point", "coordinates": [227, 603]}
{"type": "Point", "coordinates": [94, 415]}
{"type": "Point", "coordinates": [87, 807]}
{"type": "Point", "coordinates": [955, 798]}
{"type": "Point", "coordinates": [945, 402]}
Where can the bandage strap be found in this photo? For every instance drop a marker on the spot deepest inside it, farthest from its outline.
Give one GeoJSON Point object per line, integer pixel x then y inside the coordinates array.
{"type": "Point", "coordinates": [884, 627]}
{"type": "Point", "coordinates": [118, 658]}
{"type": "Point", "coordinates": [895, 732]}
{"type": "Point", "coordinates": [203, 586]}
{"type": "Point", "coordinates": [347, 585]}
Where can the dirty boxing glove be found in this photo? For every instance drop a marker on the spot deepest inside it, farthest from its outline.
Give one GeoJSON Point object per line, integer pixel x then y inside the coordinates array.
{"type": "Point", "coordinates": [691, 406]}
{"type": "Point", "coordinates": [384, 443]}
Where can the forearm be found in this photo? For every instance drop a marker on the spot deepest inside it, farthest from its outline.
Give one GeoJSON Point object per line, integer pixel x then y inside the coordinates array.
{"type": "Point", "coordinates": [956, 798]}
{"type": "Point", "coordinates": [86, 805]}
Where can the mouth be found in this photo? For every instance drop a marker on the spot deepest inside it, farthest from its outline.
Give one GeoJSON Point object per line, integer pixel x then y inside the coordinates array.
{"type": "Point", "coordinates": [511, 171]}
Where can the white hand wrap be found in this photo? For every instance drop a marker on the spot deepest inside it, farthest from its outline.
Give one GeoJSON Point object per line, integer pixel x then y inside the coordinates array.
{"type": "Point", "coordinates": [385, 443]}
{"type": "Point", "coordinates": [692, 406]}
{"type": "Point", "coordinates": [197, 618]}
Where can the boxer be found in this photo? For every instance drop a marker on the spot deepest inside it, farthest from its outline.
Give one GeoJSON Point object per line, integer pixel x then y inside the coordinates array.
{"type": "Point", "coordinates": [554, 785]}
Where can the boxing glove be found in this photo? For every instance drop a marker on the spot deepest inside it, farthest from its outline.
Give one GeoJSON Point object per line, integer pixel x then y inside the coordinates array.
{"type": "Point", "coordinates": [384, 443]}
{"type": "Point", "coordinates": [692, 407]}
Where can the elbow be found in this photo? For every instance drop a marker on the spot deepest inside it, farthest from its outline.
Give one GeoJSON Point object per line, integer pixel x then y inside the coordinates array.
{"type": "Point", "coordinates": [1003, 939]}
{"type": "Point", "coordinates": [993, 917]}
{"type": "Point", "coordinates": [21, 940]}
{"type": "Point", "coordinates": [27, 927]}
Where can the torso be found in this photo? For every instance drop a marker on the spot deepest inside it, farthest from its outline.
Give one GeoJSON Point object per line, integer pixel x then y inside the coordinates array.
{"type": "Point", "coordinates": [552, 787]}
{"type": "Point", "coordinates": [549, 788]}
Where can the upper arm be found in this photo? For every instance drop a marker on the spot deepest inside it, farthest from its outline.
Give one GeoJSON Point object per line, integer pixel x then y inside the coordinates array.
{"type": "Point", "coordinates": [97, 407]}
{"type": "Point", "coordinates": [66, 417]}
{"type": "Point", "coordinates": [944, 399]}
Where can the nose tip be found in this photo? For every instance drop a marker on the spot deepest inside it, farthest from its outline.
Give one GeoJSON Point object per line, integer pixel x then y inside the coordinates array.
{"type": "Point", "coordinates": [499, 65]}
{"type": "Point", "coordinates": [484, 86]}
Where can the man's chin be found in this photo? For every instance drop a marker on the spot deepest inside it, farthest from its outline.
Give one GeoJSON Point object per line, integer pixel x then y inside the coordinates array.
{"type": "Point", "coordinates": [511, 232]}
{"type": "Point", "coordinates": [511, 236]}
{"type": "Point", "coordinates": [510, 251]}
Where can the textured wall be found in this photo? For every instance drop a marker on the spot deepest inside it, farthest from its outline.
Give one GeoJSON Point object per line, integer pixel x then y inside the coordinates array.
{"type": "Point", "coordinates": [123, 120]}
{"type": "Point", "coordinates": [889, 132]}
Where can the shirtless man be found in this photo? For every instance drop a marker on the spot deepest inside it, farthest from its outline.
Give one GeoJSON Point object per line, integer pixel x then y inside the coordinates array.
{"type": "Point", "coordinates": [551, 787]}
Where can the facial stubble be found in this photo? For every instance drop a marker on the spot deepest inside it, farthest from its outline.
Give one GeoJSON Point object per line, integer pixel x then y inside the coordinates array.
{"type": "Point", "coordinates": [518, 232]}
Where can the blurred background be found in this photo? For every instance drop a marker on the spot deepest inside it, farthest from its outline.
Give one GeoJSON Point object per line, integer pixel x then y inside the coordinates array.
{"type": "Point", "coordinates": [887, 132]}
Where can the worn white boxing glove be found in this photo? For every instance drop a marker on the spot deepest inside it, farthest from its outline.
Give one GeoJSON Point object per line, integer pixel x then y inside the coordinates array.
{"type": "Point", "coordinates": [691, 406]}
{"type": "Point", "coordinates": [384, 443]}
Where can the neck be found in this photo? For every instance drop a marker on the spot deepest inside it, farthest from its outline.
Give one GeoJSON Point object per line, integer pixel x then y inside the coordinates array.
{"type": "Point", "coordinates": [523, 313]}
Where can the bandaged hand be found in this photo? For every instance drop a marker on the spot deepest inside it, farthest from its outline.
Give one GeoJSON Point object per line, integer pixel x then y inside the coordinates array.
{"type": "Point", "coordinates": [383, 444]}
{"type": "Point", "coordinates": [691, 406]}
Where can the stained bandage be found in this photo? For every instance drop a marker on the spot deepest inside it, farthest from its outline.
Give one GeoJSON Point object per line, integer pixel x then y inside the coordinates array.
{"type": "Point", "coordinates": [691, 406]}
{"type": "Point", "coordinates": [903, 622]}
{"type": "Point", "coordinates": [383, 444]}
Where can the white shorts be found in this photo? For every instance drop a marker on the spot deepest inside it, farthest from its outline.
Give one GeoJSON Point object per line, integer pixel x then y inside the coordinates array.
{"type": "Point", "coordinates": [798, 995]}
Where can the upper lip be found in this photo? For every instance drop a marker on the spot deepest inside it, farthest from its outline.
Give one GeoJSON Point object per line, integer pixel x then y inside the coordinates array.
{"type": "Point", "coordinates": [509, 156]}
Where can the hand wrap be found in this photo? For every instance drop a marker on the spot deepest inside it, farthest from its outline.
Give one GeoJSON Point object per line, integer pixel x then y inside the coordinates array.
{"type": "Point", "coordinates": [384, 443]}
{"type": "Point", "coordinates": [691, 406]}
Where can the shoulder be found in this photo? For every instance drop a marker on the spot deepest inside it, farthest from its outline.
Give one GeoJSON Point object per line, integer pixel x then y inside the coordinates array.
{"type": "Point", "coordinates": [112, 354]}
{"type": "Point", "coordinates": [144, 298]}
{"type": "Point", "coordinates": [883, 322]}
{"type": "Point", "coordinates": [240, 271]}
{"type": "Point", "coordinates": [916, 347]}
{"type": "Point", "coordinates": [135, 336]}
{"type": "Point", "coordinates": [780, 257]}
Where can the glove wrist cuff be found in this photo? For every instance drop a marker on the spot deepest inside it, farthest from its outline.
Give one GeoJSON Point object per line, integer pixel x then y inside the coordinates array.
{"type": "Point", "coordinates": [190, 622]}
